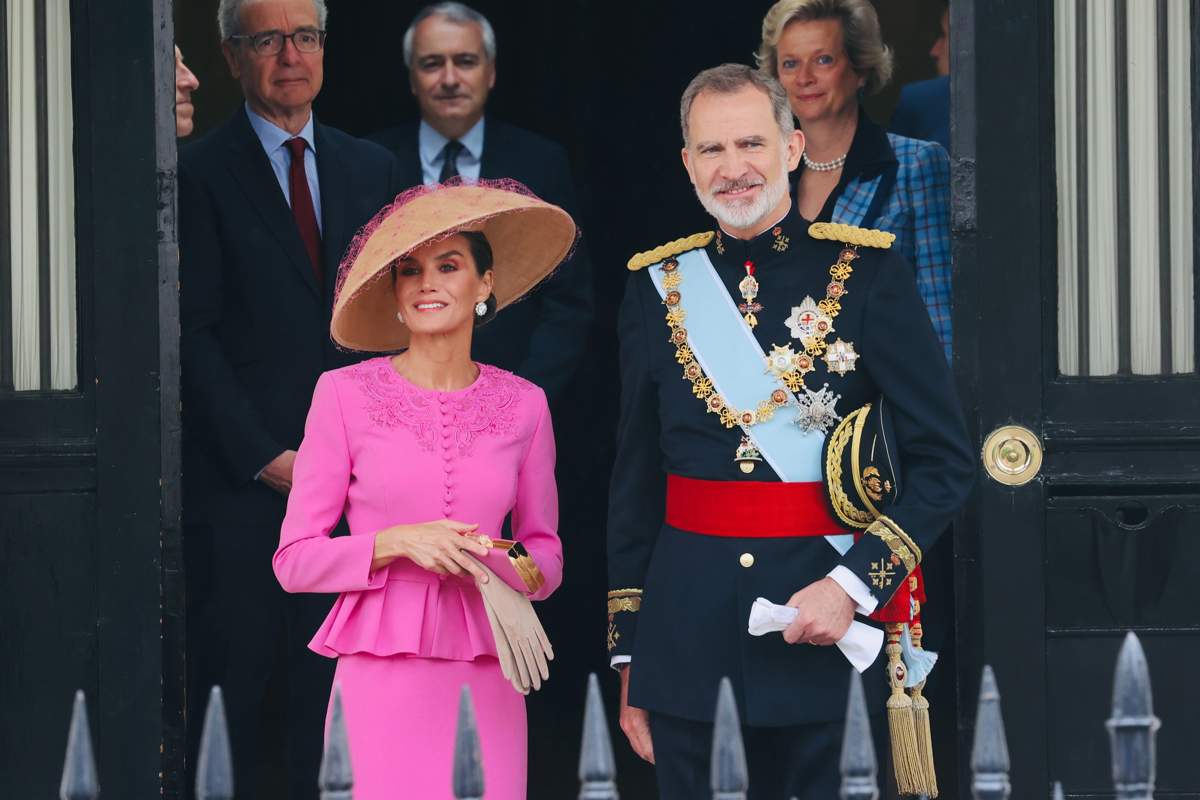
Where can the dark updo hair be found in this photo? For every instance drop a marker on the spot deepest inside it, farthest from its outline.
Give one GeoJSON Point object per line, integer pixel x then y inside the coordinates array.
{"type": "Point", "coordinates": [481, 252]}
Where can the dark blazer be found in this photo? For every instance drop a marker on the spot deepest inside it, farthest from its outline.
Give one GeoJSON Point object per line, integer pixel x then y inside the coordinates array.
{"type": "Point", "coordinates": [255, 323]}
{"type": "Point", "coordinates": [924, 111]}
{"type": "Point", "coordinates": [543, 337]}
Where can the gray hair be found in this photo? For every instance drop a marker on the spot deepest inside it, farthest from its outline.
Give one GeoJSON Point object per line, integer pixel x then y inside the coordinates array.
{"type": "Point", "coordinates": [730, 78]}
{"type": "Point", "coordinates": [861, 37]}
{"type": "Point", "coordinates": [229, 16]}
{"type": "Point", "coordinates": [455, 12]}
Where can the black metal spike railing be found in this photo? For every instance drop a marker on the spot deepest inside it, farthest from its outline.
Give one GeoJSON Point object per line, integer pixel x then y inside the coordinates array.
{"type": "Point", "coordinates": [730, 778]}
{"type": "Point", "coordinates": [214, 765]}
{"type": "Point", "coordinates": [1133, 726]}
{"type": "Point", "coordinates": [858, 765]}
{"type": "Point", "coordinates": [1132, 729]}
{"type": "Point", "coordinates": [79, 780]}
{"type": "Point", "coordinates": [989, 756]}
{"type": "Point", "coordinates": [336, 778]}
{"type": "Point", "coordinates": [597, 768]}
{"type": "Point", "coordinates": [467, 778]}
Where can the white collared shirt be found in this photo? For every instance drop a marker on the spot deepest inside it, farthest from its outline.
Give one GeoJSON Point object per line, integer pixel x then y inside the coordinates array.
{"type": "Point", "coordinates": [430, 143]}
{"type": "Point", "coordinates": [273, 139]}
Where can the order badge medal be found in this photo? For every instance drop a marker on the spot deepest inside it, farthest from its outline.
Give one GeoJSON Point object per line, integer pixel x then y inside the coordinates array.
{"type": "Point", "coordinates": [749, 291]}
{"type": "Point", "coordinates": [747, 455]}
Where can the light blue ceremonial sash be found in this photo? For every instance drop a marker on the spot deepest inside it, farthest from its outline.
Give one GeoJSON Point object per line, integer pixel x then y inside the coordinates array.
{"type": "Point", "coordinates": [731, 357]}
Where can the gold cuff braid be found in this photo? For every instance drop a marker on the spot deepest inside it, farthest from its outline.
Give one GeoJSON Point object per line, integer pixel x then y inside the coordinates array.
{"type": "Point", "coordinates": [624, 600]}
{"type": "Point", "coordinates": [618, 604]}
{"type": "Point", "coordinates": [899, 542]}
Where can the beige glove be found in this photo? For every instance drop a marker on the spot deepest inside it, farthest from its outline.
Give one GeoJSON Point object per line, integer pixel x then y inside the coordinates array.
{"type": "Point", "coordinates": [521, 642]}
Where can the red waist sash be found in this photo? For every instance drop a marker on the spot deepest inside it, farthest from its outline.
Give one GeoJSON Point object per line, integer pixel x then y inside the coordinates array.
{"type": "Point", "coordinates": [755, 509]}
{"type": "Point", "coordinates": [770, 509]}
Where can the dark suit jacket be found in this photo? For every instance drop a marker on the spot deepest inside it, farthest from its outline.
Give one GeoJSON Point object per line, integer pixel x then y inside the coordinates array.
{"type": "Point", "coordinates": [255, 323]}
{"type": "Point", "coordinates": [924, 111]}
{"type": "Point", "coordinates": [543, 337]}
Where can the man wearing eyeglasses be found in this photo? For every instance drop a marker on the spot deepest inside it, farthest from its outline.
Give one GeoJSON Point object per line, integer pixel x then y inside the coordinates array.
{"type": "Point", "coordinates": [267, 205]}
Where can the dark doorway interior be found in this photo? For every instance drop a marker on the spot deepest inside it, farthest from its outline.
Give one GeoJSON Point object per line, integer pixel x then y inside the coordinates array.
{"type": "Point", "coordinates": [604, 79]}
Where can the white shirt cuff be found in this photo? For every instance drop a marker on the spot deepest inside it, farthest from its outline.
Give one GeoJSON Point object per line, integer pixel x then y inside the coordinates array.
{"type": "Point", "coordinates": [619, 660]}
{"type": "Point", "coordinates": [852, 585]}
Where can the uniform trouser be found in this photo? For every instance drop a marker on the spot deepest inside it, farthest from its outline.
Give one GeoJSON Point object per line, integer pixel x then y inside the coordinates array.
{"type": "Point", "coordinates": [248, 636]}
{"type": "Point", "coordinates": [799, 761]}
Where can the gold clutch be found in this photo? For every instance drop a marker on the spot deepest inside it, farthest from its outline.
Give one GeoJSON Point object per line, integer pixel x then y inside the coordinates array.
{"type": "Point", "coordinates": [520, 559]}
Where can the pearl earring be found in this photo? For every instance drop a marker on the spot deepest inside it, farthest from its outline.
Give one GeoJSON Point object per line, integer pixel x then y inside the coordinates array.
{"type": "Point", "coordinates": [399, 316]}
{"type": "Point", "coordinates": [480, 308]}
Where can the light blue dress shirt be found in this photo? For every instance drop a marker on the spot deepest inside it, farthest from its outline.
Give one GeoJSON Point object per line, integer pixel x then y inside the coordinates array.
{"type": "Point", "coordinates": [431, 143]}
{"type": "Point", "coordinates": [273, 140]}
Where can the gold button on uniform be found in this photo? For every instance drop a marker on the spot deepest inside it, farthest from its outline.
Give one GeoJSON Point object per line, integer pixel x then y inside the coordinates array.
{"type": "Point", "coordinates": [746, 560]}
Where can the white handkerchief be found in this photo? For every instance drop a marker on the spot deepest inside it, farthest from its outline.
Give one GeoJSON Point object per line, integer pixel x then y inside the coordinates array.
{"type": "Point", "coordinates": [860, 645]}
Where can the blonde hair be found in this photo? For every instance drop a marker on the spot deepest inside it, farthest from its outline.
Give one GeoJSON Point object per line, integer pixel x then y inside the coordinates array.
{"type": "Point", "coordinates": [861, 38]}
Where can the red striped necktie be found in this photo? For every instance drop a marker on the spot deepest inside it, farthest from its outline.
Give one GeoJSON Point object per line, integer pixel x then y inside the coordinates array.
{"type": "Point", "coordinates": [302, 206]}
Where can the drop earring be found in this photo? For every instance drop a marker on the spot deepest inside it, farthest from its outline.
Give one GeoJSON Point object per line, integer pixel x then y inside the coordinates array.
{"type": "Point", "coordinates": [480, 308]}
{"type": "Point", "coordinates": [399, 316]}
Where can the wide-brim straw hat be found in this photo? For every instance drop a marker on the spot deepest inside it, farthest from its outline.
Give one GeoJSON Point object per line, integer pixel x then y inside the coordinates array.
{"type": "Point", "coordinates": [528, 236]}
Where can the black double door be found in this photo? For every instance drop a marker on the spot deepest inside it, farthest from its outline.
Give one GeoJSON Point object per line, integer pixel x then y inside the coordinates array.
{"type": "Point", "coordinates": [1086, 521]}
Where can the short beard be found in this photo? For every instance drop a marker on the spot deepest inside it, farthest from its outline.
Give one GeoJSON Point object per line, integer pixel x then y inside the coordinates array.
{"type": "Point", "coordinates": [746, 214]}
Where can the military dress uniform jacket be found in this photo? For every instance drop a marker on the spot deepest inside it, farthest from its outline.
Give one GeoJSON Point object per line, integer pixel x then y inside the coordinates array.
{"type": "Point", "coordinates": [681, 601]}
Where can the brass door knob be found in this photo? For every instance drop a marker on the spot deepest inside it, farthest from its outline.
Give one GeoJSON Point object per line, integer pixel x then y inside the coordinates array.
{"type": "Point", "coordinates": [1012, 455]}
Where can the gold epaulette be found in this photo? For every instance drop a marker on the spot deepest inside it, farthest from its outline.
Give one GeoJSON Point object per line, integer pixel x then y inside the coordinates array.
{"type": "Point", "coordinates": [642, 260]}
{"type": "Point", "coordinates": [863, 237]}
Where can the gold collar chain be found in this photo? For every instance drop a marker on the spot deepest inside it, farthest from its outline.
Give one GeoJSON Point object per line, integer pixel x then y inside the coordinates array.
{"type": "Point", "coordinates": [791, 374]}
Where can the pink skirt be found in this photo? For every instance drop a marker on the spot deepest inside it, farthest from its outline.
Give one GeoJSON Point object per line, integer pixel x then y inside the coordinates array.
{"type": "Point", "coordinates": [401, 713]}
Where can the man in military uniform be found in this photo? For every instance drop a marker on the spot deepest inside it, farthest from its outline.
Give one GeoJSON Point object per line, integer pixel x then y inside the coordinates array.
{"type": "Point", "coordinates": [741, 349]}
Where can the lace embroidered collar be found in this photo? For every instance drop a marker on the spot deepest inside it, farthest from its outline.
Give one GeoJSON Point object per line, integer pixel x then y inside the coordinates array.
{"type": "Point", "coordinates": [487, 407]}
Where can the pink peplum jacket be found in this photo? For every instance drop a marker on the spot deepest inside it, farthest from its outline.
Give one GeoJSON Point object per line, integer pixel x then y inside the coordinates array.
{"type": "Point", "coordinates": [385, 452]}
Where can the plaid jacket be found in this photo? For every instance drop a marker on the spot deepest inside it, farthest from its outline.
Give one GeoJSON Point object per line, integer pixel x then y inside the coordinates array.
{"type": "Point", "coordinates": [918, 212]}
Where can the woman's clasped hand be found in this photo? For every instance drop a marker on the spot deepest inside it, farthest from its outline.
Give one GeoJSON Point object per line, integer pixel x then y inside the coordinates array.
{"type": "Point", "coordinates": [440, 546]}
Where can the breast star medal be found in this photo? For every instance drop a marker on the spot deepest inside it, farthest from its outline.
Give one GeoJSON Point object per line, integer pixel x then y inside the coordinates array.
{"type": "Point", "coordinates": [749, 290]}
{"type": "Point", "coordinates": [810, 325]}
{"type": "Point", "coordinates": [817, 410]}
{"type": "Point", "coordinates": [840, 357]}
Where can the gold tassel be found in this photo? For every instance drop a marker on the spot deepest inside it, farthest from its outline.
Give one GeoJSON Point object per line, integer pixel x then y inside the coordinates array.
{"type": "Point", "coordinates": [921, 723]}
{"type": "Point", "coordinates": [906, 758]}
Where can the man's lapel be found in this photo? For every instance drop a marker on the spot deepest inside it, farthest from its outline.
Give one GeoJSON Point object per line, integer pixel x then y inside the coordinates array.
{"type": "Point", "coordinates": [404, 142]}
{"type": "Point", "coordinates": [334, 174]}
{"type": "Point", "coordinates": [493, 165]}
{"type": "Point", "coordinates": [252, 171]}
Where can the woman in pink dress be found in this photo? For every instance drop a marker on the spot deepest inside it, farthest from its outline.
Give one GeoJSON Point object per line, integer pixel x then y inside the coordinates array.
{"type": "Point", "coordinates": [425, 453]}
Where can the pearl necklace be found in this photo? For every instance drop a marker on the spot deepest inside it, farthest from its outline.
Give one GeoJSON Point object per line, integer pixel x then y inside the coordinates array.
{"type": "Point", "coordinates": [824, 166]}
